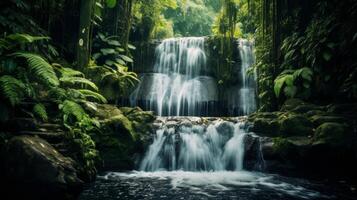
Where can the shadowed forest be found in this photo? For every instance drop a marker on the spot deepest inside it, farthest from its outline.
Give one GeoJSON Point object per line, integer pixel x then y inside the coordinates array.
{"type": "Point", "coordinates": [178, 99]}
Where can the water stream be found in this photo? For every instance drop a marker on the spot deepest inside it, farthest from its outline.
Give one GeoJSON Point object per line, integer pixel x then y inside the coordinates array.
{"type": "Point", "coordinates": [198, 157]}
{"type": "Point", "coordinates": [179, 85]}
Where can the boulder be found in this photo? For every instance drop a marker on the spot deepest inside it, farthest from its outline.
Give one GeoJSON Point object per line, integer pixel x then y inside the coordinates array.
{"type": "Point", "coordinates": [266, 124]}
{"type": "Point", "coordinates": [295, 125]}
{"type": "Point", "coordinates": [125, 132]}
{"type": "Point", "coordinates": [36, 170]}
{"type": "Point", "coordinates": [319, 119]}
{"type": "Point", "coordinates": [333, 134]}
{"type": "Point", "coordinates": [291, 104]}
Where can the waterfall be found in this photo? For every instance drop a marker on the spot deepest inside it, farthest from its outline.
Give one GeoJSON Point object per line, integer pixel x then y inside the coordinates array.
{"type": "Point", "coordinates": [247, 91]}
{"type": "Point", "coordinates": [179, 85]}
{"type": "Point", "coordinates": [182, 144]}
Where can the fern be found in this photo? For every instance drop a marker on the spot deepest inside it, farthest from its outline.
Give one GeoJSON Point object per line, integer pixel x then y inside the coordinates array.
{"type": "Point", "coordinates": [79, 80]}
{"type": "Point", "coordinates": [12, 89]}
{"type": "Point", "coordinates": [40, 68]}
{"type": "Point", "coordinates": [25, 38]}
{"type": "Point", "coordinates": [40, 111]}
{"type": "Point", "coordinates": [94, 95]}
{"type": "Point", "coordinates": [67, 72]}
{"type": "Point", "coordinates": [71, 108]}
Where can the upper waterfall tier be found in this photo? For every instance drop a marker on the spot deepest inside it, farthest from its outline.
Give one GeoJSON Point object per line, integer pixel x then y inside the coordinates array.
{"type": "Point", "coordinates": [183, 80]}
{"type": "Point", "coordinates": [177, 86]}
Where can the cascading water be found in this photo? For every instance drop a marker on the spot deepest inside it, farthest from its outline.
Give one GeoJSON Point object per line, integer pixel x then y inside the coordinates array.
{"type": "Point", "coordinates": [217, 146]}
{"type": "Point", "coordinates": [247, 91]}
{"type": "Point", "coordinates": [179, 85]}
{"type": "Point", "coordinates": [195, 157]}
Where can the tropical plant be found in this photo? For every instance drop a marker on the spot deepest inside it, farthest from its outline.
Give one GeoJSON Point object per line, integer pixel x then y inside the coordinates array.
{"type": "Point", "coordinates": [294, 81]}
{"type": "Point", "coordinates": [110, 68]}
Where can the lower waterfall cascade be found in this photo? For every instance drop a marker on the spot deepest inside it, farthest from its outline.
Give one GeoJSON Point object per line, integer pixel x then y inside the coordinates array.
{"type": "Point", "coordinates": [188, 144]}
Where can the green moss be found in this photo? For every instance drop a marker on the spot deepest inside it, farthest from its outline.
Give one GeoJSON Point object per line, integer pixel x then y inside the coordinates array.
{"type": "Point", "coordinates": [295, 125]}
{"type": "Point", "coordinates": [319, 119]}
{"type": "Point", "coordinates": [333, 134]}
{"type": "Point", "coordinates": [291, 104]}
{"type": "Point", "coordinates": [283, 147]}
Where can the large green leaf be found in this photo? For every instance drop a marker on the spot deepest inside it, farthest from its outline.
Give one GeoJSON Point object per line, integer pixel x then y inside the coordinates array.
{"type": "Point", "coordinates": [280, 81]}
{"type": "Point", "coordinates": [111, 3]}
{"type": "Point", "coordinates": [126, 58]}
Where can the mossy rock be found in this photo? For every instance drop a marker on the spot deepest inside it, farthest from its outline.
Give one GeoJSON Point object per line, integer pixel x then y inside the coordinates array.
{"type": "Point", "coordinates": [343, 108]}
{"type": "Point", "coordinates": [333, 134]}
{"type": "Point", "coordinates": [291, 104]}
{"type": "Point", "coordinates": [264, 126]}
{"type": "Point", "coordinates": [137, 114]}
{"type": "Point", "coordinates": [120, 123]}
{"type": "Point", "coordinates": [284, 148]}
{"type": "Point", "coordinates": [317, 120]}
{"type": "Point", "coordinates": [295, 125]}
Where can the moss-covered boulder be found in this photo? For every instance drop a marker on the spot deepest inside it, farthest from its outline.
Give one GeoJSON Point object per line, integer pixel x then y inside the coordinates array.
{"type": "Point", "coordinates": [333, 134]}
{"type": "Point", "coordinates": [124, 132]}
{"type": "Point", "coordinates": [291, 104]}
{"type": "Point", "coordinates": [295, 125]}
{"type": "Point", "coordinates": [33, 167]}
{"type": "Point", "coordinates": [283, 124]}
{"type": "Point", "coordinates": [319, 119]}
{"type": "Point", "coordinates": [264, 123]}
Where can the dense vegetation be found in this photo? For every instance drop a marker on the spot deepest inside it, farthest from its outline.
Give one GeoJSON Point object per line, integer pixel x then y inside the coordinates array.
{"type": "Point", "coordinates": [62, 62]}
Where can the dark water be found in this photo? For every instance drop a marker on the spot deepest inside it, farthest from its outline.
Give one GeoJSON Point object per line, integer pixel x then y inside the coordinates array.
{"type": "Point", "coordinates": [208, 185]}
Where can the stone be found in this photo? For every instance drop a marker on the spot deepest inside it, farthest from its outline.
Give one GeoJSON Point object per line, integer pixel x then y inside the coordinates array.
{"type": "Point", "coordinates": [35, 169]}
{"type": "Point", "coordinates": [295, 125]}
{"type": "Point", "coordinates": [333, 134]}
{"type": "Point", "coordinates": [264, 123]}
{"type": "Point", "coordinates": [317, 120]}
{"type": "Point", "coordinates": [291, 104]}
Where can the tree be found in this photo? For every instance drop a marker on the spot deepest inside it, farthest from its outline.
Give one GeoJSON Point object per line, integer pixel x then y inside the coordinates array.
{"type": "Point", "coordinates": [84, 35]}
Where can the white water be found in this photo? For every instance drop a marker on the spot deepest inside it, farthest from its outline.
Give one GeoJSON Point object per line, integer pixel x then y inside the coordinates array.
{"type": "Point", "coordinates": [217, 147]}
{"type": "Point", "coordinates": [179, 84]}
{"type": "Point", "coordinates": [247, 91]}
{"type": "Point", "coordinates": [208, 184]}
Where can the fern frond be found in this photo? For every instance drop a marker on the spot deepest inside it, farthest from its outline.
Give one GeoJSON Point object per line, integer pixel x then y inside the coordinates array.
{"type": "Point", "coordinates": [94, 95]}
{"type": "Point", "coordinates": [57, 93]}
{"type": "Point", "coordinates": [12, 89]}
{"type": "Point", "coordinates": [71, 108]}
{"type": "Point", "coordinates": [25, 38]}
{"type": "Point", "coordinates": [40, 111]}
{"type": "Point", "coordinates": [40, 68]}
{"type": "Point", "coordinates": [67, 72]}
{"type": "Point", "coordinates": [79, 80]}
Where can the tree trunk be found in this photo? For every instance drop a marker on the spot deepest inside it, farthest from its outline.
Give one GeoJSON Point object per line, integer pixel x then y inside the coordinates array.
{"type": "Point", "coordinates": [84, 36]}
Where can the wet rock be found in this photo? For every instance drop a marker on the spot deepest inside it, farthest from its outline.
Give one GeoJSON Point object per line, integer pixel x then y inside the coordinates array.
{"type": "Point", "coordinates": [317, 120]}
{"type": "Point", "coordinates": [333, 134]}
{"type": "Point", "coordinates": [125, 133]}
{"type": "Point", "coordinates": [295, 125]}
{"type": "Point", "coordinates": [37, 171]}
{"type": "Point", "coordinates": [291, 104]}
{"type": "Point", "coordinates": [265, 124]}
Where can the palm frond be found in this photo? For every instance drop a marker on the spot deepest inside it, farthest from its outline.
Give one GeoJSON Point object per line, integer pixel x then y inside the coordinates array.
{"type": "Point", "coordinates": [40, 68]}
{"type": "Point", "coordinates": [40, 111]}
{"type": "Point", "coordinates": [79, 80]}
{"type": "Point", "coordinates": [12, 89]}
